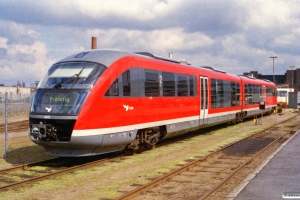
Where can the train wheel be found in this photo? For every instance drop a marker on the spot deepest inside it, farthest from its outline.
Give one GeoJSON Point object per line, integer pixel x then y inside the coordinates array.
{"type": "Point", "coordinates": [149, 146]}
{"type": "Point", "coordinates": [150, 143]}
{"type": "Point", "coordinates": [133, 146]}
{"type": "Point", "coordinates": [129, 151]}
{"type": "Point", "coordinates": [233, 122]}
{"type": "Point", "coordinates": [242, 116]}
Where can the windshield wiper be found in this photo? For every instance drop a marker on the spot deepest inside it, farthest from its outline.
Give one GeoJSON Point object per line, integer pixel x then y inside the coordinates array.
{"type": "Point", "coordinates": [58, 85]}
{"type": "Point", "coordinates": [77, 76]}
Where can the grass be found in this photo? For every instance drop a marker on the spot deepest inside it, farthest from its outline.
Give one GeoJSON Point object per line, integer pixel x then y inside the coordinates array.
{"type": "Point", "coordinates": [289, 125]}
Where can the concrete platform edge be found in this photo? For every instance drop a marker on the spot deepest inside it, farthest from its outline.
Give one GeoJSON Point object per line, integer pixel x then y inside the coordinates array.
{"type": "Point", "coordinates": [245, 182]}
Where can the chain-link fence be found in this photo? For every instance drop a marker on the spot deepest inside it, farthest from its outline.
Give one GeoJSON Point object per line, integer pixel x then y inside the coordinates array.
{"type": "Point", "coordinates": [13, 107]}
{"type": "Point", "coordinates": [16, 103]}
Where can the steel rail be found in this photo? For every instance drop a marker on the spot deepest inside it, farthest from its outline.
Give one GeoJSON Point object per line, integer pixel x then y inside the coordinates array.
{"type": "Point", "coordinates": [28, 165]}
{"type": "Point", "coordinates": [59, 172]}
{"type": "Point", "coordinates": [228, 178]}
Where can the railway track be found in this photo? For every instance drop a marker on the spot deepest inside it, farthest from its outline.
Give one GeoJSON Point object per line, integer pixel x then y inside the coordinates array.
{"type": "Point", "coordinates": [202, 178]}
{"type": "Point", "coordinates": [37, 171]}
{"type": "Point", "coordinates": [15, 126]}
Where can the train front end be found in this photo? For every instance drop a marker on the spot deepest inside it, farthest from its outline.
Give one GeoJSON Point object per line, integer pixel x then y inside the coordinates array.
{"type": "Point", "coordinates": [56, 105]}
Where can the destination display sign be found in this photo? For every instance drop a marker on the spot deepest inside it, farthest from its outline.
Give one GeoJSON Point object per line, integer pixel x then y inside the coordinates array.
{"type": "Point", "coordinates": [57, 102]}
{"type": "Point", "coordinates": [60, 98]}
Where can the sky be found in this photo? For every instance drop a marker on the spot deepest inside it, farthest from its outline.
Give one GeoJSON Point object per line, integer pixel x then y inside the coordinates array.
{"type": "Point", "coordinates": [235, 36]}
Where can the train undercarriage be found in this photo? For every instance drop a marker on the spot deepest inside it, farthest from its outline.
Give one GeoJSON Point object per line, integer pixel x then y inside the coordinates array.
{"type": "Point", "coordinates": [147, 138]}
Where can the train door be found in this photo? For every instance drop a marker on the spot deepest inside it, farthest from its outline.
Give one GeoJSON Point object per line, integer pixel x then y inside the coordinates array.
{"type": "Point", "coordinates": [203, 100]}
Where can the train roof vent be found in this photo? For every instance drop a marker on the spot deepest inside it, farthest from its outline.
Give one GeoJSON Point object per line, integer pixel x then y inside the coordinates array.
{"type": "Point", "coordinates": [213, 69]}
{"type": "Point", "coordinates": [157, 57]}
{"type": "Point", "coordinates": [185, 62]}
{"type": "Point", "coordinates": [251, 77]}
{"type": "Point", "coordinates": [81, 54]}
{"type": "Point", "coordinates": [266, 80]}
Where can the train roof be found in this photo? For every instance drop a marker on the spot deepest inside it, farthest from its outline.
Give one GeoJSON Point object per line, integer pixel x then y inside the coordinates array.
{"type": "Point", "coordinates": [105, 57]}
{"type": "Point", "coordinates": [184, 63]}
{"type": "Point", "coordinates": [108, 57]}
{"type": "Point", "coordinates": [253, 78]}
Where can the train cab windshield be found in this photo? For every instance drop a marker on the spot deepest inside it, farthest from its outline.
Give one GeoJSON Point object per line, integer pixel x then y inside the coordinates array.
{"type": "Point", "coordinates": [72, 75]}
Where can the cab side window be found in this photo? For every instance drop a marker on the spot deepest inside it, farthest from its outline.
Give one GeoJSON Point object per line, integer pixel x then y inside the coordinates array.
{"type": "Point", "coordinates": [113, 90]}
{"type": "Point", "coordinates": [126, 83]}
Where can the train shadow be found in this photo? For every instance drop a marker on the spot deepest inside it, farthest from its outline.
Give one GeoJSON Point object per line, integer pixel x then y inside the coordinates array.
{"type": "Point", "coordinates": [26, 155]}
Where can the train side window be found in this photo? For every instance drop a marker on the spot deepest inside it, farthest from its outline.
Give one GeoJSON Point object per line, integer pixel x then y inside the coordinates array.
{"type": "Point", "coordinates": [192, 86]}
{"type": "Point", "coordinates": [274, 91]}
{"type": "Point", "coordinates": [126, 83]}
{"type": "Point", "coordinates": [238, 94]}
{"type": "Point", "coordinates": [248, 94]}
{"type": "Point", "coordinates": [113, 90]}
{"type": "Point", "coordinates": [268, 91]}
{"type": "Point", "coordinates": [233, 94]}
{"type": "Point", "coordinates": [227, 94]}
{"type": "Point", "coordinates": [256, 94]}
{"type": "Point", "coordinates": [151, 84]}
{"type": "Point", "coordinates": [213, 93]}
{"type": "Point", "coordinates": [168, 84]}
{"type": "Point", "coordinates": [217, 93]}
{"type": "Point", "coordinates": [182, 86]}
{"type": "Point", "coordinates": [220, 94]}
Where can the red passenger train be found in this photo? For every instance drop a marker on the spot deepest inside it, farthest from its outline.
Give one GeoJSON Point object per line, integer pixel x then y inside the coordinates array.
{"type": "Point", "coordinates": [102, 101]}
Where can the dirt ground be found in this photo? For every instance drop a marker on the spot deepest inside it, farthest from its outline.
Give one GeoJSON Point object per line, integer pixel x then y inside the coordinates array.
{"type": "Point", "coordinates": [110, 180]}
{"type": "Point", "coordinates": [13, 117]}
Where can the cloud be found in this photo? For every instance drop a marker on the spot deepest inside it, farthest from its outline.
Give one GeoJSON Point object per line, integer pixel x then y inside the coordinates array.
{"type": "Point", "coordinates": [90, 13]}
{"type": "Point", "coordinates": [17, 34]}
{"type": "Point", "coordinates": [158, 41]}
{"type": "Point", "coordinates": [22, 57]}
{"type": "Point", "coordinates": [214, 17]}
{"type": "Point", "coordinates": [233, 35]}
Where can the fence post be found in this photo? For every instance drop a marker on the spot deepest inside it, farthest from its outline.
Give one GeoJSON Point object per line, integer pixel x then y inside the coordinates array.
{"type": "Point", "coordinates": [11, 106]}
{"type": "Point", "coordinates": [6, 127]}
{"type": "Point", "coordinates": [3, 111]}
{"type": "Point", "coordinates": [19, 101]}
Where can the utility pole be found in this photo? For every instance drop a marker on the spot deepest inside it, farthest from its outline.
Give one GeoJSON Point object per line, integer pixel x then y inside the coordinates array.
{"type": "Point", "coordinates": [273, 67]}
